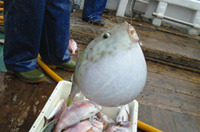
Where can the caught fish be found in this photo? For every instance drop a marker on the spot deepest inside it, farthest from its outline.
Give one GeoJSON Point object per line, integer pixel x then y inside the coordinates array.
{"type": "Point", "coordinates": [111, 67]}
{"type": "Point", "coordinates": [55, 114]}
{"type": "Point", "coordinates": [79, 110]}
{"type": "Point", "coordinates": [56, 108]}
{"type": "Point", "coordinates": [72, 47]}
{"type": "Point", "coordinates": [118, 129]}
{"type": "Point", "coordinates": [105, 118]}
{"type": "Point", "coordinates": [83, 126]}
{"type": "Point", "coordinates": [49, 127]}
{"type": "Point", "coordinates": [86, 126]}
{"type": "Point", "coordinates": [124, 124]}
{"type": "Point", "coordinates": [123, 114]}
{"type": "Point", "coordinates": [98, 126]}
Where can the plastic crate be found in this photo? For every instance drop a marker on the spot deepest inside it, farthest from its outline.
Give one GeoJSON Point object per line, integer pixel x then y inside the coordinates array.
{"type": "Point", "coordinates": [62, 91]}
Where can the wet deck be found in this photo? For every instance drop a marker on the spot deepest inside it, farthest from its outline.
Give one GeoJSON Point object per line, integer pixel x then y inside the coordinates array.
{"type": "Point", "coordinates": [169, 101]}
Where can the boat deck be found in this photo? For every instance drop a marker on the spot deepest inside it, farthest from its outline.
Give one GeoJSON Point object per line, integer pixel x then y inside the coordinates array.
{"type": "Point", "coordinates": [169, 101]}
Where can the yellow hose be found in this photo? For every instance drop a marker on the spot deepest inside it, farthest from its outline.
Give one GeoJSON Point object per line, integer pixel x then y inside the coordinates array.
{"type": "Point", "coordinates": [1, 9]}
{"type": "Point", "coordinates": [147, 127]}
{"type": "Point", "coordinates": [51, 73]}
{"type": "Point", "coordinates": [54, 76]}
{"type": "Point", "coordinates": [1, 3]}
{"type": "Point", "coordinates": [1, 18]}
{"type": "Point", "coordinates": [1, 22]}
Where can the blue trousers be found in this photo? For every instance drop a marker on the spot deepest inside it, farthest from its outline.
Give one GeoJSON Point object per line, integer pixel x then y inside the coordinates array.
{"type": "Point", "coordinates": [36, 26]}
{"type": "Point", "coordinates": [93, 9]}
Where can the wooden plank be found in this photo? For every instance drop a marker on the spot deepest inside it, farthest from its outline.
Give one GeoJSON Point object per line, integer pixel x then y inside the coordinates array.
{"type": "Point", "coordinates": [79, 38]}
{"type": "Point", "coordinates": [145, 115]}
{"type": "Point", "coordinates": [21, 103]}
{"type": "Point", "coordinates": [37, 102]}
{"type": "Point", "coordinates": [197, 122]}
{"type": "Point", "coordinates": [173, 72]}
{"type": "Point", "coordinates": [149, 36]}
{"type": "Point", "coordinates": [185, 123]}
{"type": "Point", "coordinates": [139, 130]}
{"type": "Point", "coordinates": [169, 100]}
{"type": "Point", "coordinates": [163, 120]}
{"type": "Point", "coordinates": [174, 84]}
{"type": "Point", "coordinates": [12, 101]}
{"type": "Point", "coordinates": [190, 65]}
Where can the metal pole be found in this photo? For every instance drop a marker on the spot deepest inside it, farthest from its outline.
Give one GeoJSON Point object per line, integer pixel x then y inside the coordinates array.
{"type": "Point", "coordinates": [173, 19]}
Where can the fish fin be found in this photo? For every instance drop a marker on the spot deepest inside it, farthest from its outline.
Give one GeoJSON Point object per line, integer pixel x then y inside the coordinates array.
{"type": "Point", "coordinates": [99, 114]}
{"type": "Point", "coordinates": [74, 91]}
{"type": "Point", "coordinates": [49, 127]}
{"type": "Point", "coordinates": [46, 121]}
{"type": "Point", "coordinates": [124, 124]}
{"type": "Point", "coordinates": [69, 101]}
{"type": "Point", "coordinates": [128, 114]}
{"type": "Point", "coordinates": [91, 119]}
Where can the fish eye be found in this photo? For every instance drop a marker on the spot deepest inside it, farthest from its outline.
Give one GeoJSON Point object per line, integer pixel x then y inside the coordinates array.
{"type": "Point", "coordinates": [106, 35]}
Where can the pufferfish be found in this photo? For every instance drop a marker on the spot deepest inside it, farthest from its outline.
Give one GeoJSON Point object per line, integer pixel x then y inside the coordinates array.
{"type": "Point", "coordinates": [112, 70]}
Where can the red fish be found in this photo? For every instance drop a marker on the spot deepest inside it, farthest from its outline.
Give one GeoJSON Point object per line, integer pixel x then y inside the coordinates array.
{"type": "Point", "coordinates": [79, 110]}
{"type": "Point", "coordinates": [86, 126]}
{"type": "Point", "coordinates": [123, 114]}
{"type": "Point", "coordinates": [124, 126]}
{"type": "Point", "coordinates": [105, 118]}
{"type": "Point", "coordinates": [118, 129]}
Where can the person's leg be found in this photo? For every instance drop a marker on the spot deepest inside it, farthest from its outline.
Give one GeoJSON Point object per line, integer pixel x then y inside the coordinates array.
{"type": "Point", "coordinates": [55, 35]}
{"type": "Point", "coordinates": [93, 10]}
{"type": "Point", "coordinates": [23, 26]}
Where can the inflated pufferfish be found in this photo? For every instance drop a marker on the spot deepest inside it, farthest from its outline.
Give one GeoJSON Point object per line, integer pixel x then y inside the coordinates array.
{"type": "Point", "coordinates": [112, 69]}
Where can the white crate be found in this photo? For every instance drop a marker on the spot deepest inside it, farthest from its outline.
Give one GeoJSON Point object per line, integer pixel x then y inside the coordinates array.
{"type": "Point", "coordinates": [62, 91]}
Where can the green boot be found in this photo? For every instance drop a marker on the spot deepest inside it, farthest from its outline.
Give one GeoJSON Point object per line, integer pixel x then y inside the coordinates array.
{"type": "Point", "coordinates": [33, 76]}
{"type": "Point", "coordinates": [68, 66]}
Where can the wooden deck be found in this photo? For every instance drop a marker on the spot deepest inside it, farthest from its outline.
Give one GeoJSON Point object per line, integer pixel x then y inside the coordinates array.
{"type": "Point", "coordinates": [170, 100]}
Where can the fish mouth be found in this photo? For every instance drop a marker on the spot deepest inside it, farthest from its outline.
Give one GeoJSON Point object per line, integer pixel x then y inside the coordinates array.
{"type": "Point", "coordinates": [132, 33]}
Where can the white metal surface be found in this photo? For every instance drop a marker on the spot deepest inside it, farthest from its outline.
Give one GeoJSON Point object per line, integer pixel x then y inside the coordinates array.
{"type": "Point", "coordinates": [122, 8]}
{"type": "Point", "coordinates": [162, 6]}
{"type": "Point", "coordinates": [140, 6]}
{"type": "Point", "coordinates": [192, 4]}
{"type": "Point", "coordinates": [62, 91]}
{"type": "Point", "coordinates": [196, 22]}
{"type": "Point", "coordinates": [185, 11]}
